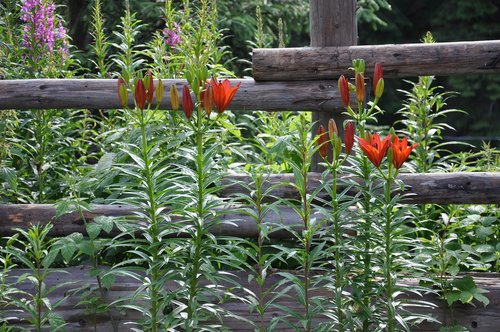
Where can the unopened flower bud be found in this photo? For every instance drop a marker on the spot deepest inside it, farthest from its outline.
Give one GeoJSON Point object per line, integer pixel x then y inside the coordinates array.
{"type": "Point", "coordinates": [349, 131]}
{"type": "Point", "coordinates": [207, 100]}
{"type": "Point", "coordinates": [344, 90]}
{"type": "Point", "coordinates": [359, 66]}
{"type": "Point", "coordinates": [332, 129]}
{"type": "Point", "coordinates": [377, 75]}
{"type": "Point", "coordinates": [174, 97]}
{"type": "Point", "coordinates": [360, 88]}
{"type": "Point", "coordinates": [150, 87]}
{"type": "Point", "coordinates": [337, 148]}
{"type": "Point", "coordinates": [159, 92]}
{"type": "Point", "coordinates": [187, 102]}
{"type": "Point", "coordinates": [379, 90]}
{"type": "Point", "coordinates": [122, 92]}
{"type": "Point", "coordinates": [140, 95]}
{"type": "Point", "coordinates": [322, 142]}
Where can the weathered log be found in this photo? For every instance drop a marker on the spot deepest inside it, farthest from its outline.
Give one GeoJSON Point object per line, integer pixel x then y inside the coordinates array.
{"type": "Point", "coordinates": [103, 94]}
{"type": "Point", "coordinates": [80, 318]}
{"type": "Point", "coordinates": [236, 222]}
{"type": "Point", "coordinates": [438, 188]}
{"type": "Point", "coordinates": [404, 60]}
{"type": "Point", "coordinates": [441, 188]}
{"type": "Point", "coordinates": [332, 23]}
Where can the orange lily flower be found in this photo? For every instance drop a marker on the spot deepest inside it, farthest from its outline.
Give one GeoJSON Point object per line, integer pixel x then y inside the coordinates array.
{"type": "Point", "coordinates": [223, 93]}
{"type": "Point", "coordinates": [374, 148]}
{"type": "Point", "coordinates": [401, 151]}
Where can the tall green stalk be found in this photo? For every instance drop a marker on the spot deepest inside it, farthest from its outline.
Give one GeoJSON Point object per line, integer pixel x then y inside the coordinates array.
{"type": "Point", "coordinates": [198, 223]}
{"type": "Point", "coordinates": [152, 231]}
{"type": "Point", "coordinates": [388, 246]}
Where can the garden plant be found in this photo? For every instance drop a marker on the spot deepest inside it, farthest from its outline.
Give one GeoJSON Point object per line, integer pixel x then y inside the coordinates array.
{"type": "Point", "coordinates": [345, 251]}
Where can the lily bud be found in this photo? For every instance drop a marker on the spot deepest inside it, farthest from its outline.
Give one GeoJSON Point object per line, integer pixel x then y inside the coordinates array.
{"type": "Point", "coordinates": [390, 154]}
{"type": "Point", "coordinates": [344, 90]}
{"type": "Point", "coordinates": [359, 66]}
{"type": "Point", "coordinates": [207, 100]}
{"type": "Point", "coordinates": [174, 97]}
{"type": "Point", "coordinates": [149, 84]}
{"type": "Point", "coordinates": [187, 102]}
{"type": "Point", "coordinates": [332, 129]}
{"type": "Point", "coordinates": [140, 94]}
{"type": "Point", "coordinates": [360, 88]}
{"type": "Point", "coordinates": [349, 130]}
{"type": "Point", "coordinates": [322, 142]}
{"type": "Point", "coordinates": [392, 133]}
{"type": "Point", "coordinates": [379, 90]}
{"type": "Point", "coordinates": [159, 92]}
{"type": "Point", "coordinates": [377, 75]}
{"type": "Point", "coordinates": [337, 148]}
{"type": "Point", "coordinates": [122, 92]}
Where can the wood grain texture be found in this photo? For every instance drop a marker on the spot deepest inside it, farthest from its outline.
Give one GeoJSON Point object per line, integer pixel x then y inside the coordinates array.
{"type": "Point", "coordinates": [237, 222]}
{"type": "Point", "coordinates": [103, 94]}
{"type": "Point", "coordinates": [441, 188]}
{"type": "Point", "coordinates": [478, 318]}
{"type": "Point", "coordinates": [332, 23]}
{"type": "Point", "coordinates": [403, 60]}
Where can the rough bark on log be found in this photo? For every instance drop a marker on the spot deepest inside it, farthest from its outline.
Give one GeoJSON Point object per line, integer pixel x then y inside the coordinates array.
{"type": "Point", "coordinates": [236, 222]}
{"type": "Point", "coordinates": [332, 23]}
{"type": "Point", "coordinates": [438, 188]}
{"type": "Point", "coordinates": [79, 318]}
{"type": "Point", "coordinates": [441, 188]}
{"type": "Point", "coordinates": [103, 94]}
{"type": "Point", "coordinates": [403, 60]}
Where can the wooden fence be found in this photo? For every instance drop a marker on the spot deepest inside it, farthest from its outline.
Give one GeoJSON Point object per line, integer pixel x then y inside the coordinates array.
{"type": "Point", "coordinates": [285, 79]}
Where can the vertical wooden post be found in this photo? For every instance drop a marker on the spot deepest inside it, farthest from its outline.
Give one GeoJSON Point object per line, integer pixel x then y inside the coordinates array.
{"type": "Point", "coordinates": [332, 23]}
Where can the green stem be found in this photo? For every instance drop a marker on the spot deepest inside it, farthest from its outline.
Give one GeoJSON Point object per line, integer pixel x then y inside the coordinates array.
{"type": "Point", "coordinates": [198, 223]}
{"type": "Point", "coordinates": [367, 283]}
{"type": "Point", "coordinates": [307, 240]}
{"type": "Point", "coordinates": [154, 290]}
{"type": "Point", "coordinates": [388, 255]}
{"type": "Point", "coordinates": [260, 244]}
{"type": "Point", "coordinates": [338, 244]}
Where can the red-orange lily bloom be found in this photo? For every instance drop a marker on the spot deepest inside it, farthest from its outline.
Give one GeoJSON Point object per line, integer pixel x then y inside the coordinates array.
{"type": "Point", "coordinates": [322, 141]}
{"type": "Point", "coordinates": [401, 151]}
{"type": "Point", "coordinates": [375, 149]}
{"type": "Point", "coordinates": [223, 93]}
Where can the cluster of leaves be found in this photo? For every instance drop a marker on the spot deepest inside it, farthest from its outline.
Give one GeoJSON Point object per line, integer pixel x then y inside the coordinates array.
{"type": "Point", "coordinates": [169, 168]}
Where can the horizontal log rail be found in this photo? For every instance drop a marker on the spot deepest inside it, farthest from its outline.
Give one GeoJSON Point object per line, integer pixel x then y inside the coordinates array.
{"type": "Point", "coordinates": [403, 60]}
{"type": "Point", "coordinates": [422, 188]}
{"type": "Point", "coordinates": [103, 94]}
{"type": "Point", "coordinates": [443, 188]}
{"type": "Point", "coordinates": [78, 318]}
